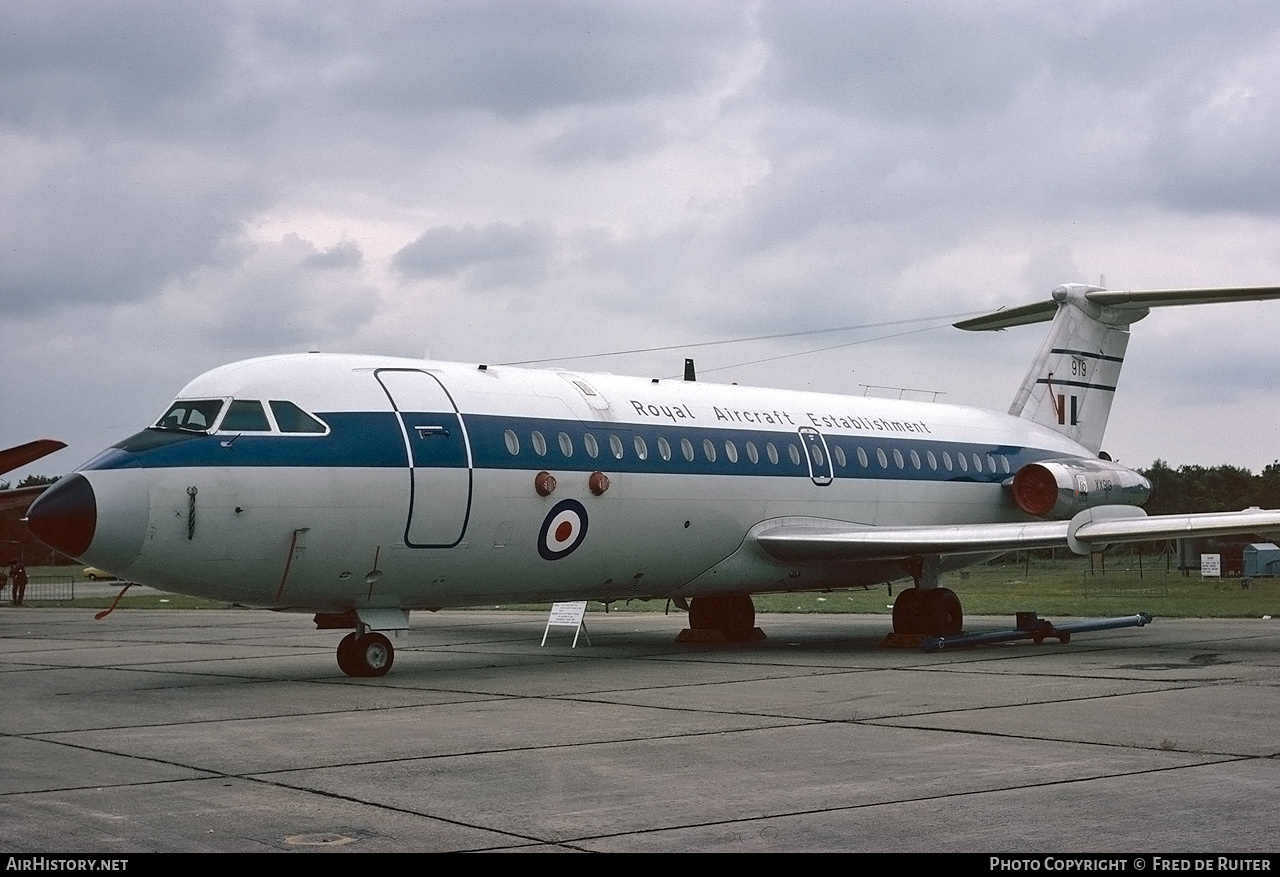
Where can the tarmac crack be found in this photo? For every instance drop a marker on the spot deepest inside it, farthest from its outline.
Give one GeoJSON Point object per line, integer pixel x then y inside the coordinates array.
{"type": "Point", "coordinates": [817, 811]}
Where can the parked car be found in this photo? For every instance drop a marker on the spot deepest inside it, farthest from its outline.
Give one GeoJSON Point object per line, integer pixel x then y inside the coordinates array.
{"type": "Point", "coordinates": [93, 574]}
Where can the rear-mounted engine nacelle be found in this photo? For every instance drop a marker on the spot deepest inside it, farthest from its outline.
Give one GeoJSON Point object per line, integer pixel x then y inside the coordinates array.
{"type": "Point", "coordinates": [1061, 488]}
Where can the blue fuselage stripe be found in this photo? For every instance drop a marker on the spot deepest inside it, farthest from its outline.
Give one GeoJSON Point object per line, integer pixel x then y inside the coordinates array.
{"type": "Point", "coordinates": [375, 440]}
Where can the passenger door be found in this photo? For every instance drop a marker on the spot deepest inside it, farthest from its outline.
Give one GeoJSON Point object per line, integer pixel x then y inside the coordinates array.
{"type": "Point", "coordinates": [440, 465]}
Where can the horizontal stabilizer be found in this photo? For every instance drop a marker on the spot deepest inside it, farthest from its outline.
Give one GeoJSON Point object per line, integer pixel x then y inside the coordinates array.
{"type": "Point", "coordinates": [1071, 384]}
{"type": "Point", "coordinates": [1092, 529]}
{"type": "Point", "coordinates": [1121, 299]}
{"type": "Point", "coordinates": [1005, 318]}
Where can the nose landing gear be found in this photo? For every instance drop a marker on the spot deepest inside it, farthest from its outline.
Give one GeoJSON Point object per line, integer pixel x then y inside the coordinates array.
{"type": "Point", "coordinates": [367, 654]}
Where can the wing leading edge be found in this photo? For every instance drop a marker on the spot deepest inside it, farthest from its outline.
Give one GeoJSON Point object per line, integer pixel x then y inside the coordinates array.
{"type": "Point", "coordinates": [1091, 530]}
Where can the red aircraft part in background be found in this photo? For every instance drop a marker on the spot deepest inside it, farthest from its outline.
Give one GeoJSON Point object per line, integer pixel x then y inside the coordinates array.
{"type": "Point", "coordinates": [20, 455]}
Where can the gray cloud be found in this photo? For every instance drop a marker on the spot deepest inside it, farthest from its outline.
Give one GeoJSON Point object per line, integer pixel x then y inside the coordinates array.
{"type": "Point", "coordinates": [603, 137]}
{"type": "Point", "coordinates": [496, 254]}
{"type": "Point", "coordinates": [102, 221]}
{"type": "Point", "coordinates": [259, 297]}
{"type": "Point", "coordinates": [68, 64]}
{"type": "Point", "coordinates": [503, 56]}
{"type": "Point", "coordinates": [342, 255]}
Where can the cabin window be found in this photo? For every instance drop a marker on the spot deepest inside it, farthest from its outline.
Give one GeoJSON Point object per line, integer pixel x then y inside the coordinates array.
{"type": "Point", "coordinates": [615, 445]}
{"type": "Point", "coordinates": [752, 454]}
{"type": "Point", "coordinates": [731, 451]}
{"type": "Point", "coordinates": [772, 452]}
{"type": "Point", "coordinates": [933, 461]}
{"type": "Point", "coordinates": [1004, 464]}
{"type": "Point", "coordinates": [991, 463]}
{"type": "Point", "coordinates": [664, 448]}
{"type": "Point", "coordinates": [946, 460]}
{"type": "Point", "coordinates": [964, 465]}
{"type": "Point", "coordinates": [642, 449]}
{"type": "Point", "coordinates": [897, 458]}
{"type": "Point", "coordinates": [566, 444]}
{"type": "Point", "coordinates": [815, 451]}
{"type": "Point", "coordinates": [709, 450]}
{"type": "Point", "coordinates": [686, 449]}
{"type": "Point", "coordinates": [245, 415]}
{"type": "Point", "coordinates": [512, 442]}
{"type": "Point", "coordinates": [915, 460]}
{"type": "Point", "coordinates": [862, 458]}
{"type": "Point", "coordinates": [840, 458]}
{"type": "Point", "coordinates": [794, 453]}
{"type": "Point", "coordinates": [539, 444]}
{"type": "Point", "coordinates": [977, 462]}
{"type": "Point", "coordinates": [880, 456]}
{"type": "Point", "coordinates": [593, 447]}
{"type": "Point", "coordinates": [291, 418]}
{"type": "Point", "coordinates": [191, 415]}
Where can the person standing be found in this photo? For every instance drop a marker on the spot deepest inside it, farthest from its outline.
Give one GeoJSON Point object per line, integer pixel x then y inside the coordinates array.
{"type": "Point", "coordinates": [18, 573]}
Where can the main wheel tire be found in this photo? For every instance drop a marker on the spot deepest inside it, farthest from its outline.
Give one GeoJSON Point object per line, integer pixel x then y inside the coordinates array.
{"type": "Point", "coordinates": [732, 614]}
{"type": "Point", "coordinates": [941, 613]}
{"type": "Point", "coordinates": [374, 654]}
{"type": "Point", "coordinates": [365, 656]}
{"type": "Point", "coordinates": [347, 661]}
{"type": "Point", "coordinates": [908, 612]}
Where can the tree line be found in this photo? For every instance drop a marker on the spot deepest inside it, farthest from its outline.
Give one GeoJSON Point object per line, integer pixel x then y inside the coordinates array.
{"type": "Point", "coordinates": [1191, 489]}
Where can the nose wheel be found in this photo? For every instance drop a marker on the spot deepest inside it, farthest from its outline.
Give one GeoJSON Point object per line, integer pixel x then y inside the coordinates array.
{"type": "Point", "coordinates": [365, 655]}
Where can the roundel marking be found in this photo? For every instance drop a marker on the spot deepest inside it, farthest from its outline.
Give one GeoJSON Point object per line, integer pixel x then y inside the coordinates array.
{"type": "Point", "coordinates": [563, 529]}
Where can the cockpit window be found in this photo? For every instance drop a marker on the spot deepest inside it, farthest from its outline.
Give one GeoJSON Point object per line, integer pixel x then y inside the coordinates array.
{"type": "Point", "coordinates": [191, 415]}
{"type": "Point", "coordinates": [245, 415]}
{"type": "Point", "coordinates": [291, 418]}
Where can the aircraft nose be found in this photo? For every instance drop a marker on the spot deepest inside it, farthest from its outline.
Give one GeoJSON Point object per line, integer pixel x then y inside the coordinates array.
{"type": "Point", "coordinates": [65, 516]}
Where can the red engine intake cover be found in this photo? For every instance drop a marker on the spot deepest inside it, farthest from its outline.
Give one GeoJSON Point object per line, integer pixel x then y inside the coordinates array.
{"type": "Point", "coordinates": [1035, 490]}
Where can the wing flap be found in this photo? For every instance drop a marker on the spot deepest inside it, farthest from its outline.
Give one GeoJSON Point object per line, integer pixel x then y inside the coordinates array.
{"type": "Point", "coordinates": [1144, 529]}
{"type": "Point", "coordinates": [851, 542]}
{"type": "Point", "coordinates": [1092, 529]}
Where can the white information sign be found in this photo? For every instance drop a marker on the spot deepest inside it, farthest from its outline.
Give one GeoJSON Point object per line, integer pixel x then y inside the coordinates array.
{"type": "Point", "coordinates": [1211, 565]}
{"type": "Point", "coordinates": [568, 615]}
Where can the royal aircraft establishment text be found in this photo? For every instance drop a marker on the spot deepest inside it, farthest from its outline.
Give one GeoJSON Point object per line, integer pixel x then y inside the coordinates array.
{"type": "Point", "coordinates": [678, 413]}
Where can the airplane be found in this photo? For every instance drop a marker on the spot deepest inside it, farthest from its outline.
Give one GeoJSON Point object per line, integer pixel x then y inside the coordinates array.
{"type": "Point", "coordinates": [20, 455]}
{"type": "Point", "coordinates": [360, 488]}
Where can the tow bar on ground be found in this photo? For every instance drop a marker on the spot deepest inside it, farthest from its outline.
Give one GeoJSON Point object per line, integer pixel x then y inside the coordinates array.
{"type": "Point", "coordinates": [1031, 626]}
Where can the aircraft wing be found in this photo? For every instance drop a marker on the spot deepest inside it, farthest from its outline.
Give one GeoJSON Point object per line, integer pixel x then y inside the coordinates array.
{"type": "Point", "coordinates": [1091, 530]}
{"type": "Point", "coordinates": [21, 497]}
{"type": "Point", "coordinates": [21, 455]}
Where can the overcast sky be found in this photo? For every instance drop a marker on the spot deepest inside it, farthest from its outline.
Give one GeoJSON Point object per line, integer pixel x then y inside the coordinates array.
{"type": "Point", "coordinates": [187, 184]}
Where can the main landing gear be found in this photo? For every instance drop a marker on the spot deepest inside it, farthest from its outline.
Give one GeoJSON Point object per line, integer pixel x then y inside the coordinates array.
{"type": "Point", "coordinates": [732, 615]}
{"type": "Point", "coordinates": [927, 609]}
{"type": "Point", "coordinates": [365, 654]}
{"type": "Point", "coordinates": [929, 612]}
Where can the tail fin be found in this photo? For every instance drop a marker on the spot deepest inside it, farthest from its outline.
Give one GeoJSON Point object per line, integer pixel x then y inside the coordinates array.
{"type": "Point", "coordinates": [1072, 381]}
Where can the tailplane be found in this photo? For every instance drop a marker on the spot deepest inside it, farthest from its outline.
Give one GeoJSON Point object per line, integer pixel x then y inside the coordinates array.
{"type": "Point", "coordinates": [1072, 381]}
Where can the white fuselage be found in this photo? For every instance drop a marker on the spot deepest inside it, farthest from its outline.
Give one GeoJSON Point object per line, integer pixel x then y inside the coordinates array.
{"type": "Point", "coordinates": [422, 491]}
